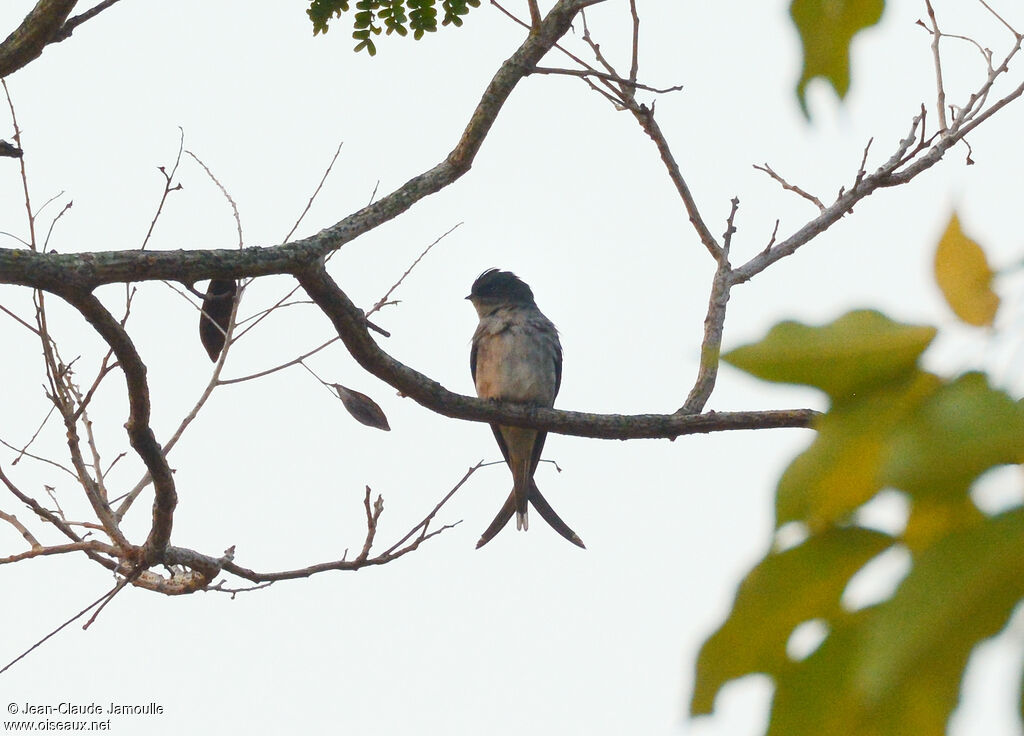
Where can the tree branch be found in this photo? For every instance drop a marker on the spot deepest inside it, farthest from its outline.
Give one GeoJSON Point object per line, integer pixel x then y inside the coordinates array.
{"type": "Point", "coordinates": [140, 435]}
{"type": "Point", "coordinates": [27, 41]}
{"type": "Point", "coordinates": [347, 319]}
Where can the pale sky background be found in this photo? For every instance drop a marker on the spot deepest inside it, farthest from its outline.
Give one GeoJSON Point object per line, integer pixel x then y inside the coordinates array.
{"type": "Point", "coordinates": [528, 635]}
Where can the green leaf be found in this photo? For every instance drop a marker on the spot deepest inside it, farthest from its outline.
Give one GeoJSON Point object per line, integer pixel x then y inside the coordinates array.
{"type": "Point", "coordinates": [826, 28]}
{"type": "Point", "coordinates": [784, 590]}
{"type": "Point", "coordinates": [895, 668]}
{"type": "Point", "coordinates": [964, 276]}
{"type": "Point", "coordinates": [960, 591]}
{"type": "Point", "coordinates": [842, 469]}
{"type": "Point", "coordinates": [961, 431]}
{"type": "Point", "coordinates": [812, 698]}
{"type": "Point", "coordinates": [860, 351]}
{"type": "Point", "coordinates": [320, 13]}
{"type": "Point", "coordinates": [393, 16]}
{"type": "Point", "coordinates": [932, 519]}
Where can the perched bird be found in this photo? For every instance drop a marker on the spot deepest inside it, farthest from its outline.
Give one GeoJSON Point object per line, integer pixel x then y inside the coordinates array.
{"type": "Point", "coordinates": [516, 357]}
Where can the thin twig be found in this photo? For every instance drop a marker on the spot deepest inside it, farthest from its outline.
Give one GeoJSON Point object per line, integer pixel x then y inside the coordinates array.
{"type": "Point", "coordinates": [791, 187]}
{"type": "Point", "coordinates": [54, 632]}
{"type": "Point", "coordinates": [634, 66]}
{"type": "Point", "coordinates": [227, 196]}
{"type": "Point", "coordinates": [72, 23]}
{"type": "Point", "coordinates": [22, 529]}
{"type": "Point", "coordinates": [313, 197]}
{"type": "Point", "coordinates": [275, 369]}
{"type": "Point", "coordinates": [168, 179]}
{"type": "Point", "coordinates": [1011, 29]}
{"type": "Point", "coordinates": [584, 73]}
{"type": "Point", "coordinates": [53, 223]}
{"type": "Point", "coordinates": [24, 170]}
{"type": "Point", "coordinates": [46, 460]}
{"type": "Point", "coordinates": [34, 435]}
{"type": "Point", "coordinates": [383, 300]}
{"type": "Point", "coordinates": [940, 91]}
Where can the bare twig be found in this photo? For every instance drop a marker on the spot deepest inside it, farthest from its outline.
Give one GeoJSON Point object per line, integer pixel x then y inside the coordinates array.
{"type": "Point", "coordinates": [383, 300]}
{"type": "Point", "coordinates": [1011, 29]}
{"type": "Point", "coordinates": [72, 23]}
{"type": "Point", "coordinates": [634, 66]}
{"type": "Point", "coordinates": [57, 549]}
{"type": "Point", "coordinates": [281, 367]}
{"type": "Point", "coordinates": [418, 535]}
{"type": "Point", "coordinates": [791, 187]}
{"type": "Point", "coordinates": [35, 434]}
{"type": "Point", "coordinates": [312, 198]}
{"type": "Point", "coordinates": [535, 17]}
{"type": "Point", "coordinates": [48, 461]}
{"type": "Point", "coordinates": [940, 90]}
{"type": "Point", "coordinates": [55, 631]}
{"type": "Point", "coordinates": [53, 223]}
{"type": "Point", "coordinates": [168, 188]}
{"type": "Point", "coordinates": [18, 143]}
{"type": "Point", "coordinates": [23, 530]}
{"type": "Point", "coordinates": [584, 73]}
{"type": "Point", "coordinates": [227, 196]}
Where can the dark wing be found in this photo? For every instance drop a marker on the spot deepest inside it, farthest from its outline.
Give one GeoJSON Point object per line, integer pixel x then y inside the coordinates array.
{"type": "Point", "coordinates": [538, 446]}
{"type": "Point", "coordinates": [558, 366]}
{"type": "Point", "coordinates": [494, 427]}
{"type": "Point", "coordinates": [501, 442]}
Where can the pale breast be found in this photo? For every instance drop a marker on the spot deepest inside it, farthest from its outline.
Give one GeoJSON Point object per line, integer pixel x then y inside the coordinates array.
{"type": "Point", "coordinates": [515, 362]}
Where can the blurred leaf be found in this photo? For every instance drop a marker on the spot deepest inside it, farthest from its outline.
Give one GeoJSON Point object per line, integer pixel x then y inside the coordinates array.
{"type": "Point", "coordinates": [216, 315]}
{"type": "Point", "coordinates": [364, 409]}
{"type": "Point", "coordinates": [1020, 698]}
{"type": "Point", "coordinates": [962, 430]}
{"type": "Point", "coordinates": [895, 668]}
{"type": "Point", "coordinates": [826, 28]}
{"type": "Point", "coordinates": [860, 351]}
{"type": "Point", "coordinates": [785, 589]}
{"type": "Point", "coordinates": [932, 519]}
{"type": "Point", "coordinates": [811, 698]}
{"type": "Point", "coordinates": [959, 592]}
{"type": "Point", "coordinates": [964, 276]}
{"type": "Point", "coordinates": [841, 470]}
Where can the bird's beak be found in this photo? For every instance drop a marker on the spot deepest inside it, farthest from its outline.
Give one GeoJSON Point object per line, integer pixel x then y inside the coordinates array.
{"type": "Point", "coordinates": [470, 297]}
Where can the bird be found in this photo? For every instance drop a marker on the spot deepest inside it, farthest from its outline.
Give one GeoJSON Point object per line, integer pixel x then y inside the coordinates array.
{"type": "Point", "coordinates": [516, 357]}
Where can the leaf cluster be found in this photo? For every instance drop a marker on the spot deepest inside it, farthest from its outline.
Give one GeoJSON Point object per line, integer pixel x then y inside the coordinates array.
{"type": "Point", "coordinates": [371, 17]}
{"type": "Point", "coordinates": [894, 666]}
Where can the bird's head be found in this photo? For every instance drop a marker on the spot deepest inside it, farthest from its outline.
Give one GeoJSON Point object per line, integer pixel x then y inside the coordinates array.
{"type": "Point", "coordinates": [494, 288]}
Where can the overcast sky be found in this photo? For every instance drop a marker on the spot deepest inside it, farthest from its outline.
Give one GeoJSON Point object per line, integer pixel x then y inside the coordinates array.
{"type": "Point", "coordinates": [530, 634]}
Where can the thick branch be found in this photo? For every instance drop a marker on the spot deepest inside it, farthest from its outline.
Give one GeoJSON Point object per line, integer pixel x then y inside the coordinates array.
{"type": "Point", "coordinates": [86, 271]}
{"type": "Point", "coordinates": [39, 28]}
{"type": "Point", "coordinates": [140, 435]}
{"type": "Point", "coordinates": [348, 321]}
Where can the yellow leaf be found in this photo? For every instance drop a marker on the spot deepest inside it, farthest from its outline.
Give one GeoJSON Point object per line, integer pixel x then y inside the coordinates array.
{"type": "Point", "coordinates": [963, 274]}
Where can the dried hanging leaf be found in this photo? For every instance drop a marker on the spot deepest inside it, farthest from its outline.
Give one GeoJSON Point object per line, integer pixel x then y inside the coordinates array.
{"type": "Point", "coordinates": [213, 322]}
{"type": "Point", "coordinates": [963, 274]}
{"type": "Point", "coordinates": [363, 409]}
